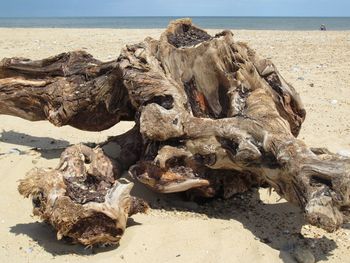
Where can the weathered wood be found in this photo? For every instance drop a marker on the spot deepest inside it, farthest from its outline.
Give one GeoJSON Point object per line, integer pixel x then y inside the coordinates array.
{"type": "Point", "coordinates": [212, 118]}
{"type": "Point", "coordinates": [81, 197]}
{"type": "Point", "coordinates": [68, 89]}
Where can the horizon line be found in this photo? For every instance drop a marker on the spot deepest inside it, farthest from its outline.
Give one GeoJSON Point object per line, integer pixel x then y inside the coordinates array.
{"type": "Point", "coordinates": [175, 16]}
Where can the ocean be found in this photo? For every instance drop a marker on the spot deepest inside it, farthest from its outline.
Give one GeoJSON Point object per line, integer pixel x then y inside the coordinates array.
{"type": "Point", "coordinates": [254, 23]}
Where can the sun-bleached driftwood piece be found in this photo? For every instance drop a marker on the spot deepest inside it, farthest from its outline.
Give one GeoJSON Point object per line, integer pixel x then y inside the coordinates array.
{"type": "Point", "coordinates": [81, 198]}
{"type": "Point", "coordinates": [212, 118]}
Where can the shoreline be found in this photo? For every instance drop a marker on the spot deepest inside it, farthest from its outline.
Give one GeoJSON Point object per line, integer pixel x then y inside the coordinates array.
{"type": "Point", "coordinates": [162, 28]}
{"type": "Point", "coordinates": [212, 22]}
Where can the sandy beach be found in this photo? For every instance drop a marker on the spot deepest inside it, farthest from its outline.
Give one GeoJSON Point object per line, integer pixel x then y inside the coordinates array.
{"type": "Point", "coordinates": [243, 229]}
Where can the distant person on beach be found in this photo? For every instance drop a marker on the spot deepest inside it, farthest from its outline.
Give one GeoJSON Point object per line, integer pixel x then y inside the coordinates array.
{"type": "Point", "coordinates": [323, 27]}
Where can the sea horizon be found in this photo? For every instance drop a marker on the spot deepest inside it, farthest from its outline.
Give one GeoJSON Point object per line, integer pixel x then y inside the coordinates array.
{"type": "Point", "coordinates": [209, 22]}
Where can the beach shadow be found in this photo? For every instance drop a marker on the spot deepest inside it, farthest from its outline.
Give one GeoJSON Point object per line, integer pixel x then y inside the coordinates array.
{"type": "Point", "coordinates": [48, 147]}
{"type": "Point", "coordinates": [45, 236]}
{"type": "Point", "coordinates": [346, 225]}
{"type": "Point", "coordinates": [278, 225]}
{"type": "Point", "coordinates": [19, 138]}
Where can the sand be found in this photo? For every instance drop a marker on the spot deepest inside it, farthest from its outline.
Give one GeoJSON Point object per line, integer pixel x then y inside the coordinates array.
{"type": "Point", "coordinates": [242, 229]}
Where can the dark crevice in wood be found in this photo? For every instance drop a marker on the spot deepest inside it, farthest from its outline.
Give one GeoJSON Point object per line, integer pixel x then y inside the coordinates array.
{"type": "Point", "coordinates": [89, 189]}
{"type": "Point", "coordinates": [187, 35]}
{"type": "Point", "coordinates": [230, 146]}
{"type": "Point", "coordinates": [268, 160]}
{"type": "Point", "coordinates": [196, 99]}
{"type": "Point", "coordinates": [223, 101]}
{"type": "Point", "coordinates": [207, 160]}
{"type": "Point", "coordinates": [98, 224]}
{"type": "Point", "coordinates": [288, 101]}
{"type": "Point", "coordinates": [176, 161]}
{"type": "Point", "coordinates": [166, 101]}
{"type": "Point", "coordinates": [227, 183]}
{"type": "Point", "coordinates": [319, 181]}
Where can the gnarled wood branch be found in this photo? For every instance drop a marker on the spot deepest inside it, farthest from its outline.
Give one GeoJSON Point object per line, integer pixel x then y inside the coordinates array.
{"type": "Point", "coordinates": [68, 89]}
{"type": "Point", "coordinates": [212, 118]}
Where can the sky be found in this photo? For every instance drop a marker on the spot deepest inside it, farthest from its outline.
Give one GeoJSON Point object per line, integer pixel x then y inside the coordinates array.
{"type": "Point", "coordinates": [55, 8]}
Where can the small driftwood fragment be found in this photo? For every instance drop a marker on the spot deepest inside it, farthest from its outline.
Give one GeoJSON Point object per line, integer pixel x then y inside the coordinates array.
{"type": "Point", "coordinates": [81, 198]}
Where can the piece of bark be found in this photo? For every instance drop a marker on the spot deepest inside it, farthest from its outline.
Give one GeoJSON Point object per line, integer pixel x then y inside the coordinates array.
{"type": "Point", "coordinates": [212, 118]}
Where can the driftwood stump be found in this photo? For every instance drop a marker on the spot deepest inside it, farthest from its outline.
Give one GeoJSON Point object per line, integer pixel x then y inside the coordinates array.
{"type": "Point", "coordinates": [211, 118]}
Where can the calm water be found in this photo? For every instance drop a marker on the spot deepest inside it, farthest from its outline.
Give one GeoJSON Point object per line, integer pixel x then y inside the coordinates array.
{"type": "Point", "coordinates": [275, 23]}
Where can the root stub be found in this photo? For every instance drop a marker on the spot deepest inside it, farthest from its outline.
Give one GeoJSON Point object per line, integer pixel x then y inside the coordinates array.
{"type": "Point", "coordinates": [212, 118]}
{"type": "Point", "coordinates": [85, 207]}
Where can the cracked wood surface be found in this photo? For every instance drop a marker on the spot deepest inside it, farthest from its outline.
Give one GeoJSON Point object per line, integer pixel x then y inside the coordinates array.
{"type": "Point", "coordinates": [212, 118]}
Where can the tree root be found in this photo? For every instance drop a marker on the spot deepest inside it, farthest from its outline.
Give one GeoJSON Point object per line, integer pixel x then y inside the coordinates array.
{"type": "Point", "coordinates": [212, 118]}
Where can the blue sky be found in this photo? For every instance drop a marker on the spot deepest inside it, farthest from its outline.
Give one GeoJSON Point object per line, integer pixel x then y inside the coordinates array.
{"type": "Point", "coordinates": [35, 8]}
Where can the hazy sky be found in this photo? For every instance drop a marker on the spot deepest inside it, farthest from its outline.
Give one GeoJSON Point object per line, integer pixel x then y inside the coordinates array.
{"type": "Point", "coordinates": [34, 8]}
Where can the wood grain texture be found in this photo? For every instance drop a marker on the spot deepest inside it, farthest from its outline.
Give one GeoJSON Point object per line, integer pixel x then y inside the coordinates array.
{"type": "Point", "coordinates": [212, 118]}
